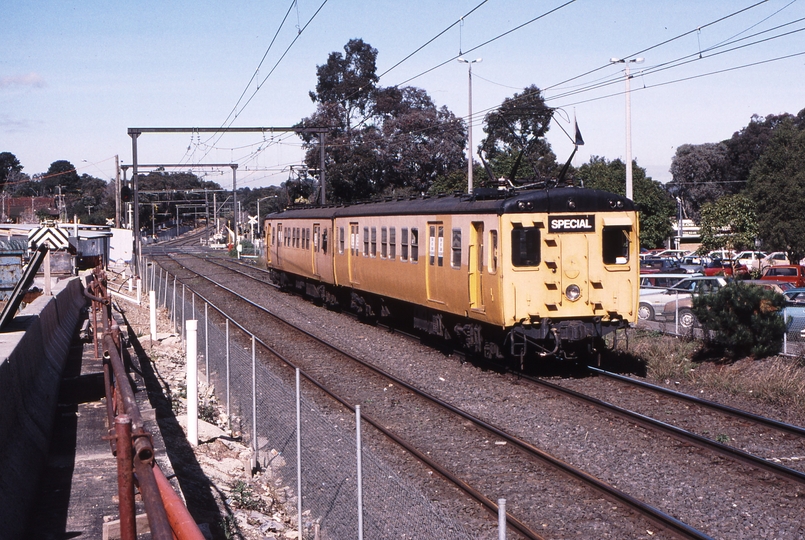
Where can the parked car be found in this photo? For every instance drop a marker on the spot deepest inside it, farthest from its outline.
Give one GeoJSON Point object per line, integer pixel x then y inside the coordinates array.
{"type": "Point", "coordinates": [693, 264]}
{"type": "Point", "coordinates": [725, 267]}
{"type": "Point", "coordinates": [660, 265]}
{"type": "Point", "coordinates": [652, 282]}
{"type": "Point", "coordinates": [721, 254]}
{"type": "Point", "coordinates": [750, 259]}
{"type": "Point", "coordinates": [792, 273]}
{"type": "Point", "coordinates": [673, 253]}
{"type": "Point", "coordinates": [774, 259]}
{"type": "Point", "coordinates": [652, 302]}
{"type": "Point", "coordinates": [684, 307]}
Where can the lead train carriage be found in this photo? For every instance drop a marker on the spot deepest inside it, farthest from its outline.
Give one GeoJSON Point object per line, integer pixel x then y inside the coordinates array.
{"type": "Point", "coordinates": [532, 274]}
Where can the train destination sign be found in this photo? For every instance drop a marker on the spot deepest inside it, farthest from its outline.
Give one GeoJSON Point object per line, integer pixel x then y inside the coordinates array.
{"type": "Point", "coordinates": [558, 224]}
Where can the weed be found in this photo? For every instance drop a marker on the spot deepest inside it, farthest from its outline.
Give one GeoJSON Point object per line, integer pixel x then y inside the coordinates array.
{"type": "Point", "coordinates": [243, 497]}
{"type": "Point", "coordinates": [722, 438]}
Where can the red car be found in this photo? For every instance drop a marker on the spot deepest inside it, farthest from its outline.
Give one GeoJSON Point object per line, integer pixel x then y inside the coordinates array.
{"type": "Point", "coordinates": [792, 273]}
{"type": "Point", "coordinates": [723, 267]}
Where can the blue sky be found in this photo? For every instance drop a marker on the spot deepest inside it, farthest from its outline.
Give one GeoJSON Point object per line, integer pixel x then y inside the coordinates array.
{"type": "Point", "coordinates": [74, 76]}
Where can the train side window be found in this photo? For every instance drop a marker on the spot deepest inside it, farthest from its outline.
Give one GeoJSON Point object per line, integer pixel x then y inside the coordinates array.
{"type": "Point", "coordinates": [615, 245]}
{"type": "Point", "coordinates": [341, 240]}
{"type": "Point", "coordinates": [404, 244]}
{"type": "Point", "coordinates": [316, 238]}
{"type": "Point", "coordinates": [307, 238]}
{"type": "Point", "coordinates": [455, 260]}
{"type": "Point", "coordinates": [373, 251]}
{"type": "Point", "coordinates": [366, 241]}
{"type": "Point", "coordinates": [392, 243]}
{"type": "Point", "coordinates": [493, 252]}
{"type": "Point", "coordinates": [384, 242]}
{"type": "Point", "coordinates": [525, 246]}
{"type": "Point", "coordinates": [414, 245]}
{"type": "Point", "coordinates": [324, 241]}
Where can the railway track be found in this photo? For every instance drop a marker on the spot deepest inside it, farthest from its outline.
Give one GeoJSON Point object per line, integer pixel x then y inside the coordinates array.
{"type": "Point", "coordinates": [508, 459]}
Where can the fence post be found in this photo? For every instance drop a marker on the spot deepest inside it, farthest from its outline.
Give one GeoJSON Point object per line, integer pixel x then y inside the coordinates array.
{"type": "Point", "coordinates": [228, 416]}
{"type": "Point", "coordinates": [501, 519]}
{"type": "Point", "coordinates": [360, 470]}
{"type": "Point", "coordinates": [207, 342]}
{"type": "Point", "coordinates": [299, 456]}
{"type": "Point", "coordinates": [125, 478]}
{"type": "Point", "coordinates": [152, 311]}
{"type": "Point", "coordinates": [256, 445]}
{"type": "Point", "coordinates": [173, 308]}
{"type": "Point", "coordinates": [192, 383]}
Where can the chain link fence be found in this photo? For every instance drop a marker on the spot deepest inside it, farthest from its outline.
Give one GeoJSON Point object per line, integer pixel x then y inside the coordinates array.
{"type": "Point", "coordinates": [260, 402]}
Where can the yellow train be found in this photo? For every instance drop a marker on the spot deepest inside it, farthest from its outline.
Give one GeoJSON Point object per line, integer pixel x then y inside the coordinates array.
{"type": "Point", "coordinates": [527, 275]}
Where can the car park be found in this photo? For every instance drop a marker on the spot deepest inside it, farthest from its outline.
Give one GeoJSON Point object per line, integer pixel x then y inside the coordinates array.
{"type": "Point", "coordinates": [652, 302]}
{"type": "Point", "coordinates": [654, 282]}
{"type": "Point", "coordinates": [673, 253]}
{"type": "Point", "coordinates": [792, 273]}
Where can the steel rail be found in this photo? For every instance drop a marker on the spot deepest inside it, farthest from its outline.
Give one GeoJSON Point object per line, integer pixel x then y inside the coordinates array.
{"type": "Point", "coordinates": [739, 413]}
{"type": "Point", "coordinates": [653, 514]}
{"type": "Point", "coordinates": [679, 433]}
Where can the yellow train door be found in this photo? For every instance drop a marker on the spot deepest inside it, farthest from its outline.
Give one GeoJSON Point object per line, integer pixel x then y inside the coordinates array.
{"type": "Point", "coordinates": [475, 258]}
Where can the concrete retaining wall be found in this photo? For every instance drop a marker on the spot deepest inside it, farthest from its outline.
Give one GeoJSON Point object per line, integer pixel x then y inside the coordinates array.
{"type": "Point", "coordinates": [33, 351]}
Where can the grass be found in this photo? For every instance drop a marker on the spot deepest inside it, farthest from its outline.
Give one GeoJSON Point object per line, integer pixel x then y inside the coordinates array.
{"type": "Point", "coordinates": [777, 381]}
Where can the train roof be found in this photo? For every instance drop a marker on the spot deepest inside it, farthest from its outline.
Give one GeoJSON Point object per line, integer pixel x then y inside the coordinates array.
{"type": "Point", "coordinates": [558, 199]}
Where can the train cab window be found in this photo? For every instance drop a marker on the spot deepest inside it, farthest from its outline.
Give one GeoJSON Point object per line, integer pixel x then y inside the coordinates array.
{"type": "Point", "coordinates": [366, 241]}
{"type": "Point", "coordinates": [414, 245]}
{"type": "Point", "coordinates": [404, 244]}
{"type": "Point", "coordinates": [341, 240]}
{"type": "Point", "coordinates": [392, 243]}
{"type": "Point", "coordinates": [615, 245]}
{"type": "Point", "coordinates": [492, 265]}
{"type": "Point", "coordinates": [373, 251]}
{"type": "Point", "coordinates": [525, 246]}
{"type": "Point", "coordinates": [455, 246]}
{"type": "Point", "coordinates": [384, 242]}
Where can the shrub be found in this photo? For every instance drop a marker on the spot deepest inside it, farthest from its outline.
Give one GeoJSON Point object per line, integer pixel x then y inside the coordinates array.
{"type": "Point", "coordinates": [745, 319]}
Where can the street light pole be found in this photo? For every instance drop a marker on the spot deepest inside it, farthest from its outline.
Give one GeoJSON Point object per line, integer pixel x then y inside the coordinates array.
{"type": "Point", "coordinates": [469, 122]}
{"type": "Point", "coordinates": [628, 120]}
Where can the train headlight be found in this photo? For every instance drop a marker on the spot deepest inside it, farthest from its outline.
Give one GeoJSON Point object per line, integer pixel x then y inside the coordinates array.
{"type": "Point", "coordinates": [573, 292]}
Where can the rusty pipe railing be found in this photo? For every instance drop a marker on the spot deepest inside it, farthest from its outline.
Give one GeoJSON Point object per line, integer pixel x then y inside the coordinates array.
{"type": "Point", "coordinates": [130, 442]}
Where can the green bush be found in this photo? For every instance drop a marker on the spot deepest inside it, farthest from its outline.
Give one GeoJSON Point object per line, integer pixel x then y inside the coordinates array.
{"type": "Point", "coordinates": [745, 319]}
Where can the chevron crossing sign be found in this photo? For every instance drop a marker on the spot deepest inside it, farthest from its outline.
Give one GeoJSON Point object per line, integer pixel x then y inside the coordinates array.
{"type": "Point", "coordinates": [54, 237]}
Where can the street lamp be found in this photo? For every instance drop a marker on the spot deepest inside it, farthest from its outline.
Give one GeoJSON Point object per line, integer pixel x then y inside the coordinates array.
{"type": "Point", "coordinates": [469, 123]}
{"type": "Point", "coordinates": [258, 211]}
{"type": "Point", "coordinates": [628, 121]}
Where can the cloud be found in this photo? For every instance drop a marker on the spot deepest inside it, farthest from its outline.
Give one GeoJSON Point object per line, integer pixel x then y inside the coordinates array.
{"type": "Point", "coordinates": [32, 80]}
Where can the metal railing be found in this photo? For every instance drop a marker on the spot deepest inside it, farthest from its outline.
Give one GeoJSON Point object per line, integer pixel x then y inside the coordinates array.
{"type": "Point", "coordinates": [130, 442]}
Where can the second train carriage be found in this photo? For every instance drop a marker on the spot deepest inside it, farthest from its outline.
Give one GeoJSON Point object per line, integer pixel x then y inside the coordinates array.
{"type": "Point", "coordinates": [532, 274]}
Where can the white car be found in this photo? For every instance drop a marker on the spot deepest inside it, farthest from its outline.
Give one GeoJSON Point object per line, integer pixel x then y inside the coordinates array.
{"type": "Point", "coordinates": [652, 302]}
{"type": "Point", "coordinates": [751, 259]}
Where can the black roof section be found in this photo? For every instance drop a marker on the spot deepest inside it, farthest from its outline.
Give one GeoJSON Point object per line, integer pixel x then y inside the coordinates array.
{"type": "Point", "coordinates": [553, 200]}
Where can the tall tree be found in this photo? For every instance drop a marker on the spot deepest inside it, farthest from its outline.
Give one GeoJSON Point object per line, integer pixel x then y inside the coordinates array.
{"type": "Point", "coordinates": [348, 79]}
{"type": "Point", "coordinates": [729, 223]}
{"type": "Point", "coordinates": [656, 206]}
{"type": "Point", "coordinates": [777, 185]}
{"type": "Point", "coordinates": [700, 176]}
{"type": "Point", "coordinates": [9, 165]}
{"type": "Point", "coordinates": [403, 141]}
{"type": "Point", "coordinates": [60, 173]}
{"type": "Point", "coordinates": [515, 144]}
